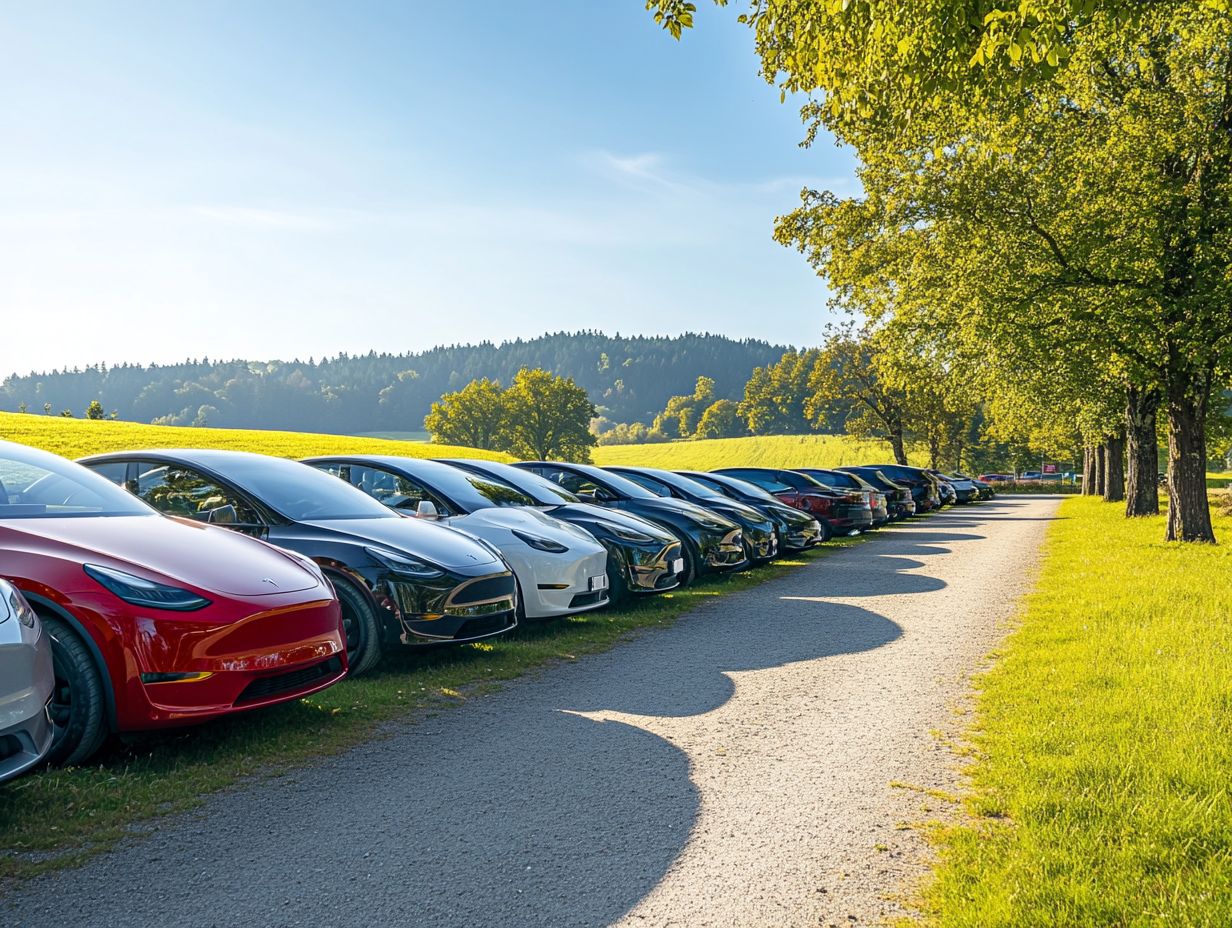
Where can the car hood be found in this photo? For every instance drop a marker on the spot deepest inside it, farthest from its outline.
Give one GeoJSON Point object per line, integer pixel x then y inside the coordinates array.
{"type": "Point", "coordinates": [789, 514]}
{"type": "Point", "coordinates": [443, 546]}
{"type": "Point", "coordinates": [625, 520]}
{"type": "Point", "coordinates": [685, 508]}
{"type": "Point", "coordinates": [530, 521]}
{"type": "Point", "coordinates": [733, 509]}
{"type": "Point", "coordinates": [203, 556]}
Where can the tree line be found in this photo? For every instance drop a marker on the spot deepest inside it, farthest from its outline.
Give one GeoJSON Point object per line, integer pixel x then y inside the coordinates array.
{"type": "Point", "coordinates": [630, 377]}
{"type": "Point", "coordinates": [1045, 208]}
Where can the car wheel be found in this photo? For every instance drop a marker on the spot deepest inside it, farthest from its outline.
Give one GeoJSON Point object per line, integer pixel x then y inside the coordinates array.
{"type": "Point", "coordinates": [78, 706]}
{"type": "Point", "coordinates": [689, 574]}
{"type": "Point", "coordinates": [826, 532]}
{"type": "Point", "coordinates": [360, 624]}
{"type": "Point", "coordinates": [618, 592]}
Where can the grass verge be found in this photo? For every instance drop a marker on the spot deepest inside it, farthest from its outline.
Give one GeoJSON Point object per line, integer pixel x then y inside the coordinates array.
{"type": "Point", "coordinates": [1104, 741]}
{"type": "Point", "coordinates": [58, 818]}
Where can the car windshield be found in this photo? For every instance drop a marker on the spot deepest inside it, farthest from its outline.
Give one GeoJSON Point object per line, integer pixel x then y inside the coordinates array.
{"type": "Point", "coordinates": [685, 485]}
{"type": "Point", "coordinates": [620, 484]}
{"type": "Point", "coordinates": [474, 491]}
{"type": "Point", "coordinates": [834, 478]}
{"type": "Point", "coordinates": [38, 485]}
{"type": "Point", "coordinates": [297, 491]}
{"type": "Point", "coordinates": [751, 489]}
{"type": "Point", "coordinates": [542, 492]}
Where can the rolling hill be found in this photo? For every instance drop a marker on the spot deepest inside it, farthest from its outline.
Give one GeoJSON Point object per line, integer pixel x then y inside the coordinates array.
{"type": "Point", "coordinates": [756, 451]}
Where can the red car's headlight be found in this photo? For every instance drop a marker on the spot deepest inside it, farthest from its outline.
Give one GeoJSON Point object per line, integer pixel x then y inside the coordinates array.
{"type": "Point", "coordinates": [141, 592]}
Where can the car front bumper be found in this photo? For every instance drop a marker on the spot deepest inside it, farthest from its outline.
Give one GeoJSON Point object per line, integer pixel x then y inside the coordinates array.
{"type": "Point", "coordinates": [26, 683]}
{"type": "Point", "coordinates": [559, 585]}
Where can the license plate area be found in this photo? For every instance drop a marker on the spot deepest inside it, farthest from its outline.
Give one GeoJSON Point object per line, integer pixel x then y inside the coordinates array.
{"type": "Point", "coordinates": [598, 583]}
{"type": "Point", "coordinates": [678, 565]}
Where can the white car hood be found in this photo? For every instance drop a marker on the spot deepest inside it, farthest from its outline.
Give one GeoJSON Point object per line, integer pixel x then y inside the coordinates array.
{"type": "Point", "coordinates": [504, 519]}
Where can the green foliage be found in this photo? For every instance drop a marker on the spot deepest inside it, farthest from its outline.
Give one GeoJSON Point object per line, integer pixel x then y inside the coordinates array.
{"type": "Point", "coordinates": [630, 377]}
{"type": "Point", "coordinates": [95, 410]}
{"type": "Point", "coordinates": [776, 395]}
{"type": "Point", "coordinates": [476, 416]}
{"type": "Point", "coordinates": [721, 419]}
{"type": "Point", "coordinates": [547, 418]}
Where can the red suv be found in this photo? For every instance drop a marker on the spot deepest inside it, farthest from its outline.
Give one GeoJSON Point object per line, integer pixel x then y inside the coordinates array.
{"type": "Point", "coordinates": [845, 512]}
{"type": "Point", "coordinates": [155, 621]}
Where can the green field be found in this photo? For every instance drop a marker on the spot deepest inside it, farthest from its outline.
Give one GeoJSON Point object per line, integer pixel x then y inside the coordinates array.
{"type": "Point", "coordinates": [1103, 741]}
{"type": "Point", "coordinates": [74, 438]}
{"type": "Point", "coordinates": [757, 451]}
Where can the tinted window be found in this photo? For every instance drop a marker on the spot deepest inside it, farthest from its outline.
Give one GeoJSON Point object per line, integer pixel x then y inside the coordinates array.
{"type": "Point", "coordinates": [543, 492]}
{"type": "Point", "coordinates": [686, 485]}
{"type": "Point", "coordinates": [654, 486]}
{"type": "Point", "coordinates": [763, 481]}
{"type": "Point", "coordinates": [298, 491]}
{"type": "Point", "coordinates": [181, 491]}
{"type": "Point", "coordinates": [393, 490]}
{"type": "Point", "coordinates": [35, 484]}
{"type": "Point", "coordinates": [834, 478]}
{"type": "Point", "coordinates": [742, 486]}
{"type": "Point", "coordinates": [476, 491]}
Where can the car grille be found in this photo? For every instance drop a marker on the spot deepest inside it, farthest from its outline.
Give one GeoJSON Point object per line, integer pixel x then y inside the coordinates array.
{"type": "Point", "coordinates": [587, 599]}
{"type": "Point", "coordinates": [485, 625]}
{"type": "Point", "coordinates": [484, 590]}
{"type": "Point", "coordinates": [279, 684]}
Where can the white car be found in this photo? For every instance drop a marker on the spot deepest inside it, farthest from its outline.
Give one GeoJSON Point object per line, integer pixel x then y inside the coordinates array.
{"type": "Point", "coordinates": [561, 569]}
{"type": "Point", "coordinates": [26, 685]}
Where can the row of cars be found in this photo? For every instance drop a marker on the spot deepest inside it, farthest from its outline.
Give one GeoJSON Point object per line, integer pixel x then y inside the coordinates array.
{"type": "Point", "coordinates": [150, 589]}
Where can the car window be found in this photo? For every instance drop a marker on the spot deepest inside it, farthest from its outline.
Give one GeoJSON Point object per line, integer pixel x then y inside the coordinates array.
{"type": "Point", "coordinates": [763, 481]}
{"type": "Point", "coordinates": [578, 484]}
{"type": "Point", "coordinates": [542, 492]}
{"type": "Point", "coordinates": [35, 484]}
{"type": "Point", "coordinates": [835, 478]}
{"type": "Point", "coordinates": [397, 491]}
{"type": "Point", "coordinates": [654, 486]}
{"type": "Point", "coordinates": [182, 491]}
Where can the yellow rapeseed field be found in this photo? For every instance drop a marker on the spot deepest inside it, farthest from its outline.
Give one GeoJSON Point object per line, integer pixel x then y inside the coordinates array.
{"type": "Point", "coordinates": [74, 438]}
{"type": "Point", "coordinates": [758, 451]}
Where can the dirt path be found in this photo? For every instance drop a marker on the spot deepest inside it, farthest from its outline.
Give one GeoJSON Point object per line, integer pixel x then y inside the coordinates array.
{"type": "Point", "coordinates": [733, 770]}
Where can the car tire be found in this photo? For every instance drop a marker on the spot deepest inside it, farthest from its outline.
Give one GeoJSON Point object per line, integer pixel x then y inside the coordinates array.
{"type": "Point", "coordinates": [618, 592]}
{"type": "Point", "coordinates": [78, 703]}
{"type": "Point", "coordinates": [689, 574]}
{"type": "Point", "coordinates": [826, 531]}
{"type": "Point", "coordinates": [360, 623]}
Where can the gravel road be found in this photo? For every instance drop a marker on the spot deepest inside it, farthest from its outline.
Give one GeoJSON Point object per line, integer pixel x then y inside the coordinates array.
{"type": "Point", "coordinates": [732, 770]}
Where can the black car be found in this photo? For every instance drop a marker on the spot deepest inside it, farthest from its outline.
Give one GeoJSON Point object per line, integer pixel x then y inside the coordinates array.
{"type": "Point", "coordinates": [898, 497]}
{"type": "Point", "coordinates": [796, 530]}
{"type": "Point", "coordinates": [398, 579]}
{"type": "Point", "coordinates": [761, 541]}
{"type": "Point", "coordinates": [925, 488]}
{"type": "Point", "coordinates": [846, 511]}
{"type": "Point", "coordinates": [643, 557]}
{"type": "Point", "coordinates": [711, 543]}
{"type": "Point", "coordinates": [841, 480]}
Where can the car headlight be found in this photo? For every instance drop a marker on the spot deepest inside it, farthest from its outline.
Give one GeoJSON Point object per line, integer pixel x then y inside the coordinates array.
{"type": "Point", "coordinates": [141, 592]}
{"type": "Point", "coordinates": [404, 564]}
{"type": "Point", "coordinates": [628, 534]}
{"type": "Point", "coordinates": [14, 604]}
{"type": "Point", "coordinates": [711, 524]}
{"type": "Point", "coordinates": [540, 544]}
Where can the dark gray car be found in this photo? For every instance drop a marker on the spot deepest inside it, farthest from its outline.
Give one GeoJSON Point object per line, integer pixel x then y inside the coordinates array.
{"type": "Point", "coordinates": [26, 683]}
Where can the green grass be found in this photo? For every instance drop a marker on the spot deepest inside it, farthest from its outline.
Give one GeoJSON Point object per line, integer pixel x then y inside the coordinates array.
{"type": "Point", "coordinates": [56, 818]}
{"type": "Point", "coordinates": [757, 451]}
{"type": "Point", "coordinates": [74, 438]}
{"type": "Point", "coordinates": [1218, 480]}
{"type": "Point", "coordinates": [1101, 789]}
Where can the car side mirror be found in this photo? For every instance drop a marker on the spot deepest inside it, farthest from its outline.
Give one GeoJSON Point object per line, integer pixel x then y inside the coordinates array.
{"type": "Point", "coordinates": [221, 515]}
{"type": "Point", "coordinates": [426, 510]}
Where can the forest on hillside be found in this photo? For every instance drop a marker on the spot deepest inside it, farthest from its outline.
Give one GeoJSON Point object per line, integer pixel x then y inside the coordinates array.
{"type": "Point", "coordinates": [629, 378]}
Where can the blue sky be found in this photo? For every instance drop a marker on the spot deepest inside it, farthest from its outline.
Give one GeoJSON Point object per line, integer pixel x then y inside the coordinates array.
{"type": "Point", "coordinates": [294, 179]}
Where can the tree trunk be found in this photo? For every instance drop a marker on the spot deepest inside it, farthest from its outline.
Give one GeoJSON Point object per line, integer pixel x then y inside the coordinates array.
{"type": "Point", "coordinates": [934, 452]}
{"type": "Point", "coordinates": [900, 451]}
{"type": "Point", "coordinates": [1100, 471]}
{"type": "Point", "coordinates": [1088, 470]}
{"type": "Point", "coordinates": [1114, 469]}
{"type": "Point", "coordinates": [1142, 444]}
{"type": "Point", "coordinates": [1189, 513]}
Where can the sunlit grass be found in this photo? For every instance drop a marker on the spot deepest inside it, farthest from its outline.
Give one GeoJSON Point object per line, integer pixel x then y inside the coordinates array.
{"type": "Point", "coordinates": [57, 817]}
{"type": "Point", "coordinates": [1104, 742]}
{"type": "Point", "coordinates": [758, 451]}
{"type": "Point", "coordinates": [74, 438]}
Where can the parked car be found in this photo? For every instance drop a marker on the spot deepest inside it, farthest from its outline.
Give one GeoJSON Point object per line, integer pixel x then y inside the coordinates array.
{"type": "Point", "coordinates": [710, 543]}
{"type": "Point", "coordinates": [761, 542]}
{"type": "Point", "coordinates": [996, 478]}
{"type": "Point", "coordinates": [899, 501]}
{"type": "Point", "coordinates": [842, 480]}
{"type": "Point", "coordinates": [925, 488]}
{"type": "Point", "coordinates": [560, 569]}
{"type": "Point", "coordinates": [398, 580]}
{"type": "Point", "coordinates": [949, 495]}
{"type": "Point", "coordinates": [965, 489]}
{"type": "Point", "coordinates": [155, 622]}
{"type": "Point", "coordinates": [797, 530]}
{"type": "Point", "coordinates": [27, 681]}
{"type": "Point", "coordinates": [642, 557]}
{"type": "Point", "coordinates": [844, 511]}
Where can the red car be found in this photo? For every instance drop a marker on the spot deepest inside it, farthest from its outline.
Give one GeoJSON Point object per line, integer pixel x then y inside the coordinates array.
{"type": "Point", "coordinates": [156, 621]}
{"type": "Point", "coordinates": [842, 512]}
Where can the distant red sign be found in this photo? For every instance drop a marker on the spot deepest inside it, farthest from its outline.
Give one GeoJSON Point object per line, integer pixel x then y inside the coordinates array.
{"type": "Point", "coordinates": [1050, 468]}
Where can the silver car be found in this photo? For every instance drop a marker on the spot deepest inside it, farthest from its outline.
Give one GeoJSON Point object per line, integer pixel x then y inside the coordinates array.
{"type": "Point", "coordinates": [27, 681]}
